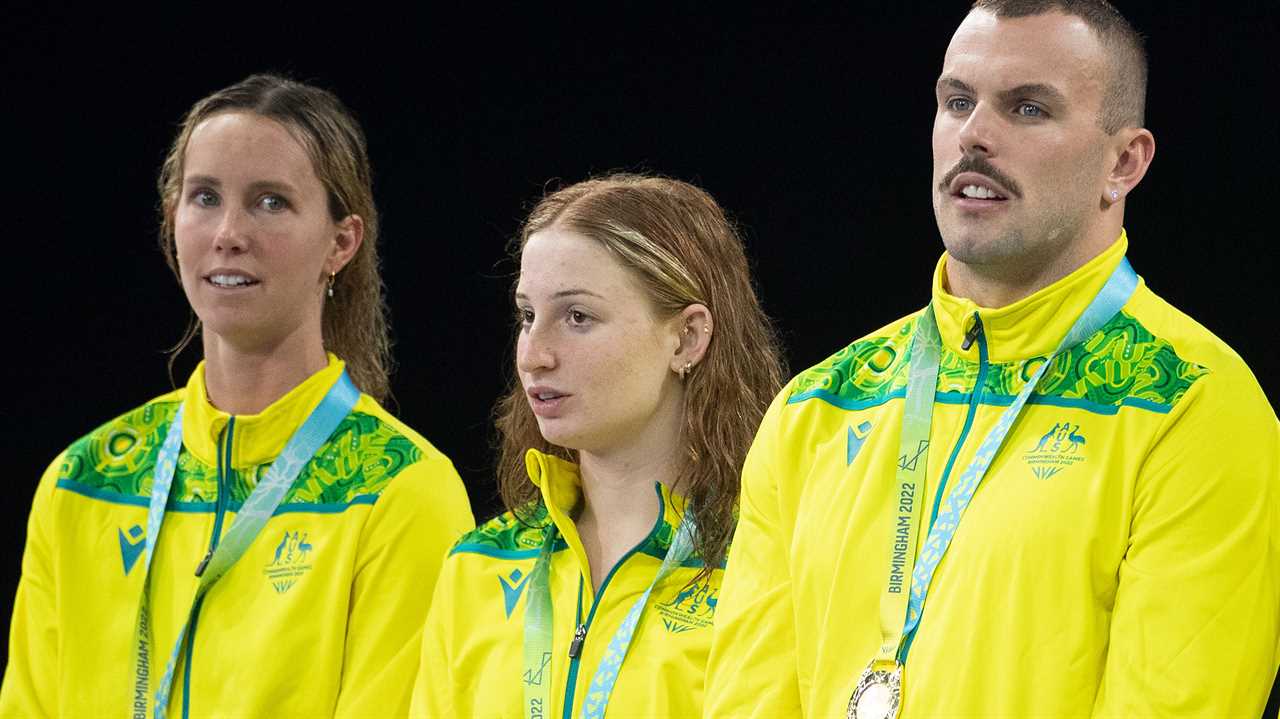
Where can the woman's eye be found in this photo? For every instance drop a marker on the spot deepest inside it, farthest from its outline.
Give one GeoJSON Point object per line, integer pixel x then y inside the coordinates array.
{"type": "Point", "coordinates": [273, 203]}
{"type": "Point", "coordinates": [205, 198]}
{"type": "Point", "coordinates": [524, 316]}
{"type": "Point", "coordinates": [578, 317]}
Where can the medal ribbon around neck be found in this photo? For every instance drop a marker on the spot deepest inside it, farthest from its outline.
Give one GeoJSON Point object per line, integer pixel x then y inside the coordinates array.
{"type": "Point", "coordinates": [538, 624]}
{"type": "Point", "coordinates": [902, 607]}
{"type": "Point", "coordinates": [255, 512]}
{"type": "Point", "coordinates": [1105, 305]}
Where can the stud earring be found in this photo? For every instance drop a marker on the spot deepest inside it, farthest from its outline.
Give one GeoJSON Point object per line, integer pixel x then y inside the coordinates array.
{"type": "Point", "coordinates": [1114, 195]}
{"type": "Point", "coordinates": [331, 279]}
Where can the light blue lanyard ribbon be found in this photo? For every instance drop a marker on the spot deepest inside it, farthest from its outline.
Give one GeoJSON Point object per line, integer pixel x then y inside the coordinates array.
{"type": "Point", "coordinates": [538, 624]}
{"type": "Point", "coordinates": [255, 512]}
{"type": "Point", "coordinates": [1109, 300]}
{"type": "Point", "coordinates": [601, 688]}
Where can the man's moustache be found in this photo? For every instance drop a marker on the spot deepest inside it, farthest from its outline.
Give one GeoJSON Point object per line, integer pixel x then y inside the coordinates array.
{"type": "Point", "coordinates": [979, 165]}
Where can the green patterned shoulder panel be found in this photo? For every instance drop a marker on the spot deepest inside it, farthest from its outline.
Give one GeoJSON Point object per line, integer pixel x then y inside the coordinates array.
{"type": "Point", "coordinates": [116, 461]}
{"type": "Point", "coordinates": [118, 456]}
{"type": "Point", "coordinates": [506, 535]}
{"type": "Point", "coordinates": [1121, 364]}
{"type": "Point", "coordinates": [863, 374]}
{"type": "Point", "coordinates": [361, 457]}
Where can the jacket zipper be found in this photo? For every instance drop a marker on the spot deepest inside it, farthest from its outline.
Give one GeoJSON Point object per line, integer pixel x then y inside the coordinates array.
{"type": "Point", "coordinates": [975, 333]}
{"type": "Point", "coordinates": [220, 508]}
{"type": "Point", "coordinates": [580, 634]}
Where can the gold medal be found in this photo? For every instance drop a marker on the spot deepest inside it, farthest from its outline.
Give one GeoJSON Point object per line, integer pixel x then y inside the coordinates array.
{"type": "Point", "coordinates": [878, 694]}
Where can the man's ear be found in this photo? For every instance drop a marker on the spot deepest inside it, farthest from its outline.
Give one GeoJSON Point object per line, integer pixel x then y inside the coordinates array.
{"type": "Point", "coordinates": [1135, 147]}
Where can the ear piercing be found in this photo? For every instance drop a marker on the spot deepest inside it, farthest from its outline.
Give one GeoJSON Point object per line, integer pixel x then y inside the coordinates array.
{"type": "Point", "coordinates": [684, 371]}
{"type": "Point", "coordinates": [1114, 195]}
{"type": "Point", "coordinates": [331, 279]}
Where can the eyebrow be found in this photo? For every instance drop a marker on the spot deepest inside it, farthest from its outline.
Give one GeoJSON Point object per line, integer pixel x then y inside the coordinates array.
{"type": "Point", "coordinates": [1031, 89]}
{"type": "Point", "coordinates": [564, 293]}
{"type": "Point", "coordinates": [258, 186]}
{"type": "Point", "coordinates": [946, 81]}
{"type": "Point", "coordinates": [1034, 89]}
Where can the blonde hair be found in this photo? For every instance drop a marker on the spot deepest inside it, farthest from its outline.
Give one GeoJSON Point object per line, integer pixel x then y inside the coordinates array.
{"type": "Point", "coordinates": [354, 322]}
{"type": "Point", "coordinates": [684, 250]}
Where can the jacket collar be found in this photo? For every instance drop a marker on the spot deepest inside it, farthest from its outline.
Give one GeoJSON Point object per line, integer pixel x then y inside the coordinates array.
{"type": "Point", "coordinates": [256, 438]}
{"type": "Point", "coordinates": [560, 483]}
{"type": "Point", "coordinates": [1032, 326]}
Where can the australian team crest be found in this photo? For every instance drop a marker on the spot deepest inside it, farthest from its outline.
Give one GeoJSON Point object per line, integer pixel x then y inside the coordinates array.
{"type": "Point", "coordinates": [693, 607]}
{"type": "Point", "coordinates": [291, 559]}
{"type": "Point", "coordinates": [1059, 448]}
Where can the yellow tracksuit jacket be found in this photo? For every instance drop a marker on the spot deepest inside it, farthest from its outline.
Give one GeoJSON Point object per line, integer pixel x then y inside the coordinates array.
{"type": "Point", "coordinates": [321, 617]}
{"type": "Point", "coordinates": [472, 648]}
{"type": "Point", "coordinates": [1121, 558]}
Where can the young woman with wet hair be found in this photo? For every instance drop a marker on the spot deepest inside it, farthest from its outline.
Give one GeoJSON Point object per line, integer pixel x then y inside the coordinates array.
{"type": "Point", "coordinates": [643, 366]}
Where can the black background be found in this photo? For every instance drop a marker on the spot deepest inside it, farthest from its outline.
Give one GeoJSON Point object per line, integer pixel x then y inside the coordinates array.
{"type": "Point", "coordinates": [811, 127]}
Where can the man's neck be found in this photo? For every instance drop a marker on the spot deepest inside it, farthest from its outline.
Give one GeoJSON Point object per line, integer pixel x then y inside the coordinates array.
{"type": "Point", "coordinates": [1000, 285]}
{"type": "Point", "coordinates": [994, 290]}
{"type": "Point", "coordinates": [247, 379]}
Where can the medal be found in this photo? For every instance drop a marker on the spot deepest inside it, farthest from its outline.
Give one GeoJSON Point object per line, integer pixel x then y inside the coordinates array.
{"type": "Point", "coordinates": [878, 694]}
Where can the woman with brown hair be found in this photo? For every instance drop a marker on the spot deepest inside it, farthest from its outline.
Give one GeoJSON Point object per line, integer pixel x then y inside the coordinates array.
{"type": "Point", "coordinates": [258, 542]}
{"type": "Point", "coordinates": [643, 366]}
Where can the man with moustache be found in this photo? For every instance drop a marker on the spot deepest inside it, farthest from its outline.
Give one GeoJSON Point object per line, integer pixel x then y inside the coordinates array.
{"type": "Point", "coordinates": [1050, 493]}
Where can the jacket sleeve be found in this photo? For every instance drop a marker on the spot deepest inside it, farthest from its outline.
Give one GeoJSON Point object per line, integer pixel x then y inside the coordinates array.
{"type": "Point", "coordinates": [1194, 627]}
{"type": "Point", "coordinates": [433, 690]}
{"type": "Point", "coordinates": [30, 686]}
{"type": "Point", "coordinates": [751, 671]}
{"type": "Point", "coordinates": [415, 520]}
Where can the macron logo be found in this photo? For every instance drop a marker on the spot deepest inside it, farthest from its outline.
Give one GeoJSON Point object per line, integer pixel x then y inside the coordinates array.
{"type": "Point", "coordinates": [511, 592]}
{"type": "Point", "coordinates": [856, 438]}
{"type": "Point", "coordinates": [130, 551]}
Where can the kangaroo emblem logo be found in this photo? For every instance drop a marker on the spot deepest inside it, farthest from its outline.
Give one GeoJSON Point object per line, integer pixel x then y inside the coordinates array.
{"type": "Point", "coordinates": [1057, 449]}
{"type": "Point", "coordinates": [693, 607]}
{"type": "Point", "coordinates": [289, 561]}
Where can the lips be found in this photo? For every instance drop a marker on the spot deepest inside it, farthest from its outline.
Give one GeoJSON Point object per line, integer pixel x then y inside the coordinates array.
{"type": "Point", "coordinates": [546, 402]}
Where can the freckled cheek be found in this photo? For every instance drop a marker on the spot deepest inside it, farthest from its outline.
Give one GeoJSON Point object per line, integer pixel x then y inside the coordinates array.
{"type": "Point", "coordinates": [604, 371]}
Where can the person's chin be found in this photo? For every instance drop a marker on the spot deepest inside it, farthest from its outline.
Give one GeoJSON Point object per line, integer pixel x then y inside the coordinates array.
{"type": "Point", "coordinates": [972, 241]}
{"type": "Point", "coordinates": [557, 431]}
{"type": "Point", "coordinates": [242, 327]}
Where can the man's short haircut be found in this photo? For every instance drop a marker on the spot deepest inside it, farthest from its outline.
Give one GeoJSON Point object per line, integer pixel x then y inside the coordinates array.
{"type": "Point", "coordinates": [1124, 103]}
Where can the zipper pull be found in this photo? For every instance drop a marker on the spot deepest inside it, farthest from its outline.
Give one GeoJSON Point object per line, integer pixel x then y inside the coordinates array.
{"type": "Point", "coordinates": [972, 335]}
{"type": "Point", "coordinates": [575, 646]}
{"type": "Point", "coordinates": [204, 563]}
